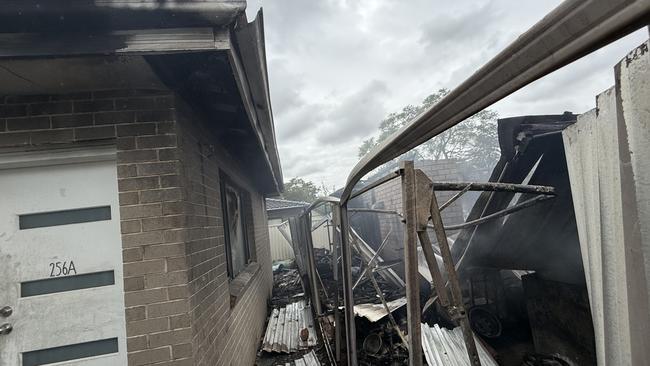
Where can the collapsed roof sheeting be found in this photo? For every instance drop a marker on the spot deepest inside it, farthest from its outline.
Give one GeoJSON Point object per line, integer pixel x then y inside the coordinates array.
{"type": "Point", "coordinates": [542, 238]}
{"type": "Point", "coordinates": [286, 326]}
{"type": "Point", "coordinates": [444, 347]}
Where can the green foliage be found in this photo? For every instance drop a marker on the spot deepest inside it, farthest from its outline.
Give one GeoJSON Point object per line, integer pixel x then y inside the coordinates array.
{"type": "Point", "coordinates": [473, 141]}
{"type": "Point", "coordinates": [298, 189]}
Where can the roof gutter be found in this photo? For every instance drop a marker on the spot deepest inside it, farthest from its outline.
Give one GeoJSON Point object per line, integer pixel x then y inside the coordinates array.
{"type": "Point", "coordinates": [571, 31]}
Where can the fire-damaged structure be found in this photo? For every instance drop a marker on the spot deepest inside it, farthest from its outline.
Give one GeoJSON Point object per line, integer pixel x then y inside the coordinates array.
{"type": "Point", "coordinates": [519, 258]}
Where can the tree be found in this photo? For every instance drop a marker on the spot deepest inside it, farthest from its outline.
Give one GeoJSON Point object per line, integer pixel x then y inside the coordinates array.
{"type": "Point", "coordinates": [473, 142]}
{"type": "Point", "coordinates": [298, 189]}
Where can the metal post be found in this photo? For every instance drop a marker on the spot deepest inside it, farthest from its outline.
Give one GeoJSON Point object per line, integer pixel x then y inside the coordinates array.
{"type": "Point", "coordinates": [458, 308]}
{"type": "Point", "coordinates": [434, 269]}
{"type": "Point", "coordinates": [348, 299]}
{"type": "Point", "coordinates": [313, 273]}
{"type": "Point", "coordinates": [411, 264]}
{"type": "Point", "coordinates": [336, 240]}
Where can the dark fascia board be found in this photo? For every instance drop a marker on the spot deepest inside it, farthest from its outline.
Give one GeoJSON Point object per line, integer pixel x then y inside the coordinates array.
{"type": "Point", "coordinates": [248, 59]}
{"type": "Point", "coordinates": [143, 41]}
{"type": "Point", "coordinates": [75, 15]}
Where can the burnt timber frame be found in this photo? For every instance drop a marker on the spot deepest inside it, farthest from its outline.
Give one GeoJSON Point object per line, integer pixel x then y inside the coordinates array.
{"type": "Point", "coordinates": [420, 206]}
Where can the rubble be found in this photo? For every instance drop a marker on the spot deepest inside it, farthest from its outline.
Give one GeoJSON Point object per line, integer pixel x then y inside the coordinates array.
{"type": "Point", "coordinates": [290, 329]}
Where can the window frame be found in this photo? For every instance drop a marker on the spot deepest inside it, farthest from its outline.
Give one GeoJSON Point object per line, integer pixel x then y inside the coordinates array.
{"type": "Point", "coordinates": [227, 182]}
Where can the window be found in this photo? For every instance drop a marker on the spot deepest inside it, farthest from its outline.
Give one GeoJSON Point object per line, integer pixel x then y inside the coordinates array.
{"type": "Point", "coordinates": [236, 220]}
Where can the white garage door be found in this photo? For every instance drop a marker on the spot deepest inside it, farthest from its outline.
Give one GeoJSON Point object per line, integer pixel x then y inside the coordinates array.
{"type": "Point", "coordinates": [61, 289]}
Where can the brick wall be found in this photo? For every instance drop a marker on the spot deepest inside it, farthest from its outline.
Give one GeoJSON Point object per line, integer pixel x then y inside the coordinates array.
{"type": "Point", "coordinates": [227, 330]}
{"type": "Point", "coordinates": [388, 196]}
{"type": "Point", "coordinates": [177, 297]}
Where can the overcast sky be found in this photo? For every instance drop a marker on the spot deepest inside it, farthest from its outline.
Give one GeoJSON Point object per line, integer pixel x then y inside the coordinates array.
{"type": "Point", "coordinates": [338, 67]}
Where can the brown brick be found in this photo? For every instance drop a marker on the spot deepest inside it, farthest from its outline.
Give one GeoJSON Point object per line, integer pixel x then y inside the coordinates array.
{"type": "Point", "coordinates": [72, 96]}
{"type": "Point", "coordinates": [172, 208]}
{"type": "Point", "coordinates": [93, 105]}
{"type": "Point", "coordinates": [131, 226]}
{"type": "Point", "coordinates": [133, 283]}
{"type": "Point", "coordinates": [52, 136]}
{"type": "Point", "coordinates": [114, 118]}
{"type": "Point", "coordinates": [14, 139]}
{"type": "Point", "coordinates": [134, 103]}
{"type": "Point", "coordinates": [176, 264]}
{"type": "Point", "coordinates": [94, 133]}
{"type": "Point", "coordinates": [135, 240]}
{"type": "Point", "coordinates": [131, 255]}
{"type": "Point", "coordinates": [168, 308]}
{"type": "Point", "coordinates": [165, 127]}
{"type": "Point", "coordinates": [155, 116]}
{"type": "Point", "coordinates": [125, 143]}
{"type": "Point", "coordinates": [136, 343]}
{"type": "Point", "coordinates": [149, 356]}
{"type": "Point", "coordinates": [169, 181]}
{"type": "Point", "coordinates": [176, 236]}
{"type": "Point", "coordinates": [158, 141]}
{"type": "Point", "coordinates": [72, 120]}
{"type": "Point", "coordinates": [126, 171]}
{"type": "Point", "coordinates": [50, 108]}
{"type": "Point", "coordinates": [28, 123]}
{"type": "Point", "coordinates": [157, 168]}
{"type": "Point", "coordinates": [181, 362]}
{"type": "Point", "coordinates": [134, 212]}
{"type": "Point", "coordinates": [179, 321]}
{"type": "Point", "coordinates": [145, 297]}
{"type": "Point", "coordinates": [169, 338]}
{"type": "Point", "coordinates": [136, 313]}
{"type": "Point", "coordinates": [182, 350]}
{"type": "Point", "coordinates": [136, 129]}
{"type": "Point", "coordinates": [168, 154]}
{"type": "Point", "coordinates": [178, 292]}
{"type": "Point", "coordinates": [15, 110]}
{"type": "Point", "coordinates": [27, 98]}
{"type": "Point", "coordinates": [120, 93]}
{"type": "Point", "coordinates": [143, 267]}
{"type": "Point", "coordinates": [137, 184]}
{"type": "Point", "coordinates": [129, 198]}
{"type": "Point", "coordinates": [152, 195]}
{"type": "Point", "coordinates": [136, 156]}
{"type": "Point", "coordinates": [147, 326]}
{"type": "Point", "coordinates": [163, 250]}
{"type": "Point", "coordinates": [165, 279]}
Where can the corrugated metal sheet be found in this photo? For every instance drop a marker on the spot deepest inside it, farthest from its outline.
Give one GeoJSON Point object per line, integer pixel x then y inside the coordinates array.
{"type": "Point", "coordinates": [443, 347]}
{"type": "Point", "coordinates": [309, 359]}
{"type": "Point", "coordinates": [285, 324]}
{"type": "Point", "coordinates": [280, 248]}
{"type": "Point", "coordinates": [374, 312]}
{"type": "Point", "coordinates": [607, 156]}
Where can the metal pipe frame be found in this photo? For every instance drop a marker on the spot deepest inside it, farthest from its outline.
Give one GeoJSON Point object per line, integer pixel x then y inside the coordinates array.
{"type": "Point", "coordinates": [572, 30]}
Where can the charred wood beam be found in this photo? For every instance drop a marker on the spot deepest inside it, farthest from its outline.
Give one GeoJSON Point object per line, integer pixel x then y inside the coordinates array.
{"type": "Point", "coordinates": [493, 186]}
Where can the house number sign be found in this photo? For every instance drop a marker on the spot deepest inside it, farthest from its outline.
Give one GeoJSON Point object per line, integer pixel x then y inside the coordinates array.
{"type": "Point", "coordinates": [62, 269]}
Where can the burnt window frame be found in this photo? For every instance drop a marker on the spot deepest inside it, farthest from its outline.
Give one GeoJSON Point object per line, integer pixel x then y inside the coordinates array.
{"type": "Point", "coordinates": [225, 180]}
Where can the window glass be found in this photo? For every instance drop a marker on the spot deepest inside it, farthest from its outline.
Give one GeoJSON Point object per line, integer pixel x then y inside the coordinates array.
{"type": "Point", "coordinates": [236, 234]}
